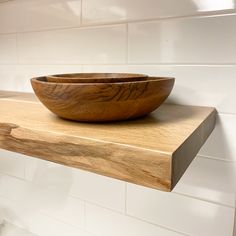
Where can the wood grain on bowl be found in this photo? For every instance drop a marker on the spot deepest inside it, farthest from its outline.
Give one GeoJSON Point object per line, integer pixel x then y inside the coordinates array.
{"type": "Point", "coordinates": [100, 102]}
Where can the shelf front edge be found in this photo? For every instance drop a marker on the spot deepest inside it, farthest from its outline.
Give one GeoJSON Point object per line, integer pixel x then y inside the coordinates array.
{"type": "Point", "coordinates": [136, 165]}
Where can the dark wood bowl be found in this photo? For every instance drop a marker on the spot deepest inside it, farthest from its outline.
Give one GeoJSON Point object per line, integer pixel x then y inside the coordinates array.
{"type": "Point", "coordinates": [100, 102]}
{"type": "Point", "coordinates": [95, 78]}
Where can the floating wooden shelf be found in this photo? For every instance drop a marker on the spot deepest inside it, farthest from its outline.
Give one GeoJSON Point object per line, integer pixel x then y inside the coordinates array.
{"type": "Point", "coordinates": [153, 151]}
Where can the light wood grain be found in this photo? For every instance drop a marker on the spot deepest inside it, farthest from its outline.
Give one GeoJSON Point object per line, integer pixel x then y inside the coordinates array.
{"type": "Point", "coordinates": [153, 151]}
{"type": "Point", "coordinates": [19, 96]}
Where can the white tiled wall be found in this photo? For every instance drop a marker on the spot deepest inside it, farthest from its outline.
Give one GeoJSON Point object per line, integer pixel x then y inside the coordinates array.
{"type": "Point", "coordinates": [192, 40]}
{"type": "Point", "coordinates": [97, 45]}
{"type": "Point", "coordinates": [178, 41]}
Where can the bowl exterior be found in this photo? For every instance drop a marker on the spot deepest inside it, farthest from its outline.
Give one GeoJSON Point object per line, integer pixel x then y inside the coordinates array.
{"type": "Point", "coordinates": [103, 102]}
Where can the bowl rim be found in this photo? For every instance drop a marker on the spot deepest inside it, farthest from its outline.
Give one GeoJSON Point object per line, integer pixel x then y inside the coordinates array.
{"type": "Point", "coordinates": [95, 77]}
{"type": "Point", "coordinates": [146, 79]}
{"type": "Point", "coordinates": [102, 74]}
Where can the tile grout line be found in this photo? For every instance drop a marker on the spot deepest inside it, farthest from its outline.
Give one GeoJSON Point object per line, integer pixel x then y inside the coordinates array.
{"type": "Point", "coordinates": [81, 12]}
{"type": "Point", "coordinates": [223, 13]}
{"type": "Point", "coordinates": [111, 210]}
{"type": "Point", "coordinates": [63, 28]}
{"type": "Point", "coordinates": [51, 217]}
{"type": "Point", "coordinates": [96, 204]}
{"type": "Point", "coordinates": [120, 212]}
{"type": "Point", "coordinates": [133, 217]}
{"type": "Point", "coordinates": [125, 208]}
{"type": "Point", "coordinates": [85, 214]}
{"type": "Point", "coordinates": [13, 176]}
{"type": "Point", "coordinates": [203, 200]}
{"type": "Point", "coordinates": [234, 226]}
{"type": "Point", "coordinates": [82, 68]}
{"type": "Point", "coordinates": [160, 226]}
{"type": "Point", "coordinates": [173, 192]}
{"type": "Point", "coordinates": [17, 49]}
{"type": "Point", "coordinates": [212, 14]}
{"type": "Point", "coordinates": [127, 44]}
{"type": "Point", "coordinates": [126, 195]}
{"type": "Point", "coordinates": [216, 158]}
{"type": "Point", "coordinates": [62, 221]}
{"type": "Point", "coordinates": [178, 64]}
{"type": "Point", "coordinates": [25, 176]}
{"type": "Point", "coordinates": [144, 64]}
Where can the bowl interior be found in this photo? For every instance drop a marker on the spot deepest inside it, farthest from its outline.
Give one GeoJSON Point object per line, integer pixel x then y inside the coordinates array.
{"type": "Point", "coordinates": [95, 78]}
{"type": "Point", "coordinates": [44, 79]}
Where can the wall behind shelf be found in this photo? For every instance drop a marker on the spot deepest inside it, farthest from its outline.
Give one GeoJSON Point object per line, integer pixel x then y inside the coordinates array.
{"type": "Point", "coordinates": [193, 41]}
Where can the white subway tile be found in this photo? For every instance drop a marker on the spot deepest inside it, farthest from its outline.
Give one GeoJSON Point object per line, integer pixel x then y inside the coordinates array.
{"type": "Point", "coordinates": [29, 217]}
{"type": "Point", "coordinates": [210, 180]}
{"type": "Point", "coordinates": [189, 40]}
{"type": "Point", "coordinates": [8, 17]}
{"type": "Point", "coordinates": [33, 15]}
{"type": "Point", "coordinates": [47, 190]}
{"type": "Point", "coordinates": [180, 213]}
{"type": "Point", "coordinates": [50, 187]}
{"type": "Point", "coordinates": [44, 198]}
{"type": "Point", "coordinates": [194, 85]}
{"type": "Point", "coordinates": [99, 189]}
{"type": "Point", "coordinates": [49, 176]}
{"type": "Point", "coordinates": [72, 46]}
{"type": "Point", "coordinates": [8, 229]}
{"type": "Point", "coordinates": [201, 85]}
{"type": "Point", "coordinates": [69, 210]}
{"type": "Point", "coordinates": [43, 225]}
{"type": "Point", "coordinates": [105, 68]}
{"type": "Point", "coordinates": [17, 77]}
{"type": "Point", "coordinates": [48, 14]}
{"type": "Point", "coordinates": [13, 188]}
{"type": "Point", "coordinates": [234, 233]}
{"type": "Point", "coordinates": [221, 143]}
{"type": "Point", "coordinates": [38, 197]}
{"type": "Point", "coordinates": [119, 10]}
{"type": "Point", "coordinates": [84, 185]}
{"type": "Point", "coordinates": [103, 222]}
{"type": "Point", "coordinates": [11, 212]}
{"type": "Point", "coordinates": [12, 163]}
{"type": "Point", "coordinates": [30, 71]}
{"type": "Point", "coordinates": [8, 50]}
{"type": "Point", "coordinates": [7, 74]}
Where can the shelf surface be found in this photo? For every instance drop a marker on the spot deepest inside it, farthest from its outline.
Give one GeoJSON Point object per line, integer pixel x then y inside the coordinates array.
{"type": "Point", "coordinates": [153, 151]}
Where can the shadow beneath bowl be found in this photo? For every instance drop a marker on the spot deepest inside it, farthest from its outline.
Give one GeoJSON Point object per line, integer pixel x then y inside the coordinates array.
{"type": "Point", "coordinates": [165, 114]}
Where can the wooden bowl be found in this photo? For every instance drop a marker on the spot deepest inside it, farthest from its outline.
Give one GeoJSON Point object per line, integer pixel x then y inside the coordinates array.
{"type": "Point", "coordinates": [100, 102]}
{"type": "Point", "coordinates": [95, 77]}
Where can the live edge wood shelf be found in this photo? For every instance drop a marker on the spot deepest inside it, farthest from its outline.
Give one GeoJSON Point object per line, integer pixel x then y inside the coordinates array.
{"type": "Point", "coordinates": [153, 151]}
